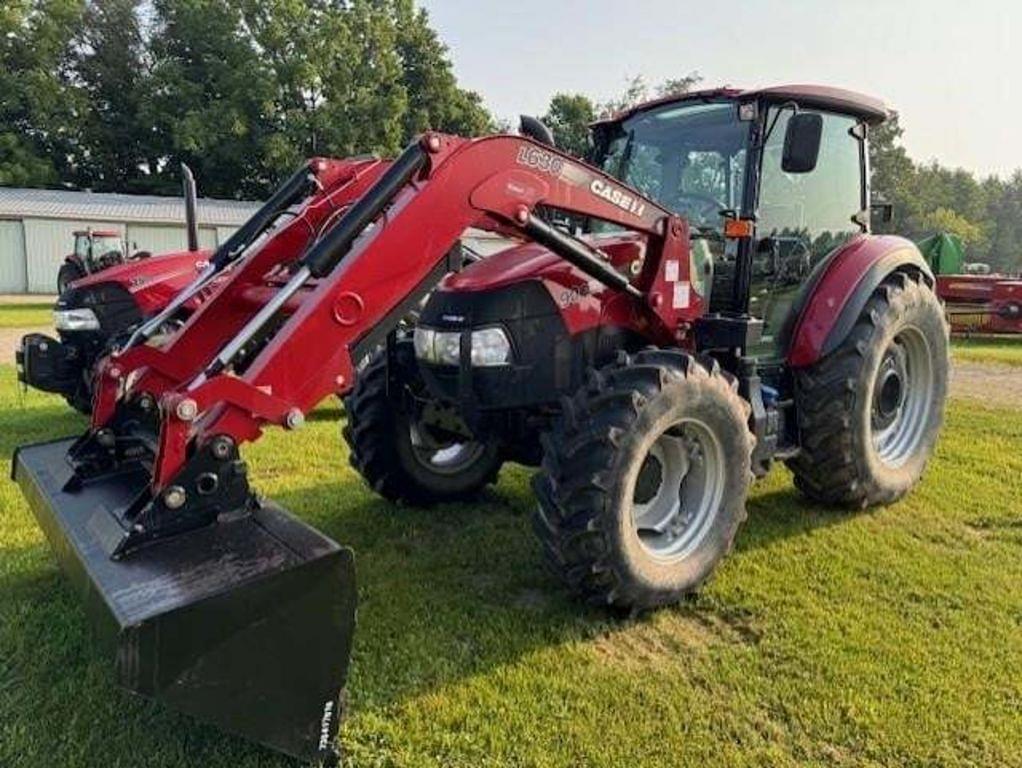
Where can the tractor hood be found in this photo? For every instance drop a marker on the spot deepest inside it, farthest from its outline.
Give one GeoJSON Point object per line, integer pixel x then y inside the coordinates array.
{"type": "Point", "coordinates": [531, 261]}
{"type": "Point", "coordinates": [153, 281]}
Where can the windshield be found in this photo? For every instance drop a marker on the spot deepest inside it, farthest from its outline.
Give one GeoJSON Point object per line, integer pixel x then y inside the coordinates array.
{"type": "Point", "coordinates": [104, 244]}
{"type": "Point", "coordinates": [689, 157]}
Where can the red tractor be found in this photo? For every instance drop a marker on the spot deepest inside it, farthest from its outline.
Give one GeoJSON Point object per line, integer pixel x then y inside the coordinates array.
{"type": "Point", "coordinates": [94, 251]}
{"type": "Point", "coordinates": [651, 358]}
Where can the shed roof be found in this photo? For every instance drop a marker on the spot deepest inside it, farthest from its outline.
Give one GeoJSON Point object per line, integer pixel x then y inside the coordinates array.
{"type": "Point", "coordinates": [102, 206]}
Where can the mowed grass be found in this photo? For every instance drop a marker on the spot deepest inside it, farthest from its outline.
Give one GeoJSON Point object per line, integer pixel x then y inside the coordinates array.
{"type": "Point", "coordinates": [889, 637]}
{"type": "Point", "coordinates": [26, 315]}
{"type": "Point", "coordinates": [1006, 350]}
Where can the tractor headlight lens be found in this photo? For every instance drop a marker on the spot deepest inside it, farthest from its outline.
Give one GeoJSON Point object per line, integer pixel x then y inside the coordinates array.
{"type": "Point", "coordinates": [490, 346]}
{"type": "Point", "coordinates": [447, 348]}
{"type": "Point", "coordinates": [440, 347]}
{"type": "Point", "coordinates": [75, 320]}
{"type": "Point", "coordinates": [423, 339]}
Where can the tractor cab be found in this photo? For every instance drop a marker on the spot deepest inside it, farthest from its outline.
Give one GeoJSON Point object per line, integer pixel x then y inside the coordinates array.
{"type": "Point", "coordinates": [99, 249]}
{"type": "Point", "coordinates": [774, 180]}
{"type": "Point", "coordinates": [94, 251]}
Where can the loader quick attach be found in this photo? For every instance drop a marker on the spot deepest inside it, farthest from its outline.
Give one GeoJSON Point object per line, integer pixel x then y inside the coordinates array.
{"type": "Point", "coordinates": [575, 352]}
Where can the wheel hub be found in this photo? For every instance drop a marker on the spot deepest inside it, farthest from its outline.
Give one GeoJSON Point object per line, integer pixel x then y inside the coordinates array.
{"type": "Point", "coordinates": [439, 441]}
{"type": "Point", "coordinates": [902, 398]}
{"type": "Point", "coordinates": [677, 490]}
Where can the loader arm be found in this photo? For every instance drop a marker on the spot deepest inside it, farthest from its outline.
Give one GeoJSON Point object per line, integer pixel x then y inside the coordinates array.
{"type": "Point", "coordinates": [438, 187]}
{"type": "Point", "coordinates": [337, 184]}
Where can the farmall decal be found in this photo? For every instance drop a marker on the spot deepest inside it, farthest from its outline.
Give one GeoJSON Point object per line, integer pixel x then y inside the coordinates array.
{"type": "Point", "coordinates": [620, 198]}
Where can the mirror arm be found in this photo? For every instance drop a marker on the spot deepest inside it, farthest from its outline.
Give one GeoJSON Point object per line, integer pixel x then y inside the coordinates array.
{"type": "Point", "coordinates": [777, 116]}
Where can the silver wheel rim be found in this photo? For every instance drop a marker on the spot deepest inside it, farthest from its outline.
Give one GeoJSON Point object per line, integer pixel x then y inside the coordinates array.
{"type": "Point", "coordinates": [902, 398]}
{"type": "Point", "coordinates": [678, 490]}
{"type": "Point", "coordinates": [443, 457]}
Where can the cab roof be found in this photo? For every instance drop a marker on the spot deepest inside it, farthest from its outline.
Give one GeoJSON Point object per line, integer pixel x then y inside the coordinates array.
{"type": "Point", "coordinates": [98, 232]}
{"type": "Point", "coordinates": [868, 108]}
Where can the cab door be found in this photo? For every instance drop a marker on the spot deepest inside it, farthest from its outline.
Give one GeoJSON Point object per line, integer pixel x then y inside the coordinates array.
{"type": "Point", "coordinates": [802, 217]}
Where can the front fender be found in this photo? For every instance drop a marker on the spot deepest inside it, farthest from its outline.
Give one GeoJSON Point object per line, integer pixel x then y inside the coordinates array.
{"type": "Point", "coordinates": [848, 279]}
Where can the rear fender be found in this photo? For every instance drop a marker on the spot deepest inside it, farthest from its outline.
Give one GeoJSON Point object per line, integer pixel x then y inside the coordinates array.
{"type": "Point", "coordinates": [848, 279]}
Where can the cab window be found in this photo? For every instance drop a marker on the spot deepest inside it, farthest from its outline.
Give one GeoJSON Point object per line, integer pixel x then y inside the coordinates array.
{"type": "Point", "coordinates": [82, 246]}
{"type": "Point", "coordinates": [802, 217]}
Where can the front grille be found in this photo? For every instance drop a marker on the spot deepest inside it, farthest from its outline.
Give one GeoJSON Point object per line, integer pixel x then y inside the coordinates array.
{"type": "Point", "coordinates": [114, 306]}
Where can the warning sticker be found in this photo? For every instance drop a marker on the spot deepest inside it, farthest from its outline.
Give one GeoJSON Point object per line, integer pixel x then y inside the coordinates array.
{"type": "Point", "coordinates": [681, 295]}
{"type": "Point", "coordinates": [671, 267]}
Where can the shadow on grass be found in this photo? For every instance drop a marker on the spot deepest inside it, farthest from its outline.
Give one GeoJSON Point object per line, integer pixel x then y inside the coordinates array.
{"type": "Point", "coordinates": [445, 594]}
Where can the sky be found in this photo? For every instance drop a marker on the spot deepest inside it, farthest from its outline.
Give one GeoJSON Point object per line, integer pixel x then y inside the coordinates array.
{"type": "Point", "coordinates": [952, 69]}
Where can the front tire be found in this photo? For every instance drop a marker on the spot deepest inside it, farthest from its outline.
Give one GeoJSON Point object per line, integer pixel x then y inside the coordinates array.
{"type": "Point", "coordinates": [401, 457]}
{"type": "Point", "coordinates": [870, 412]}
{"type": "Point", "coordinates": [644, 480]}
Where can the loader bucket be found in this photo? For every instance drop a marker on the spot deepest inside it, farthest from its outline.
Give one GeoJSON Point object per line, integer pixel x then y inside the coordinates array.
{"type": "Point", "coordinates": [246, 623]}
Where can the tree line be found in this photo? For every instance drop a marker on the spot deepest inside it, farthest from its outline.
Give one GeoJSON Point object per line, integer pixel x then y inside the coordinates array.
{"type": "Point", "coordinates": [112, 95]}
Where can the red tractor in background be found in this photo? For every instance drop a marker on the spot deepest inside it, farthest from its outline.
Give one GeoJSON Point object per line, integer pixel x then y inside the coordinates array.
{"type": "Point", "coordinates": [716, 304]}
{"type": "Point", "coordinates": [99, 250]}
{"type": "Point", "coordinates": [94, 251]}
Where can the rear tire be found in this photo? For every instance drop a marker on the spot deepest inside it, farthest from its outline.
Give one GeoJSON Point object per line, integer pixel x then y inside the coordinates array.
{"type": "Point", "coordinates": [870, 412]}
{"type": "Point", "coordinates": [68, 274]}
{"type": "Point", "coordinates": [382, 439]}
{"type": "Point", "coordinates": [613, 526]}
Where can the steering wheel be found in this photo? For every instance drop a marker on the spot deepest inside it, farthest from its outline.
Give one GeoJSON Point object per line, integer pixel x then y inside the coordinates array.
{"type": "Point", "coordinates": [705, 207]}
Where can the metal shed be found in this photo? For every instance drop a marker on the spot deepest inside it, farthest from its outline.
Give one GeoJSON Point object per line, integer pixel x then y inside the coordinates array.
{"type": "Point", "coordinates": [36, 227]}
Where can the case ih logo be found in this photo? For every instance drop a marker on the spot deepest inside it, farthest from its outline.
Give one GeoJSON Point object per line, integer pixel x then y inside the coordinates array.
{"type": "Point", "coordinates": [622, 200]}
{"type": "Point", "coordinates": [533, 157]}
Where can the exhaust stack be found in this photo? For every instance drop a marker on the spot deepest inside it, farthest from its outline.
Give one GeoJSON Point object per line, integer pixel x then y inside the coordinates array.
{"type": "Point", "coordinates": [191, 219]}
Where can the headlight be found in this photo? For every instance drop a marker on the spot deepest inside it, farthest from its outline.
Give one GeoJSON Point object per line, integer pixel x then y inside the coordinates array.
{"type": "Point", "coordinates": [447, 347]}
{"type": "Point", "coordinates": [490, 346]}
{"type": "Point", "coordinates": [75, 320]}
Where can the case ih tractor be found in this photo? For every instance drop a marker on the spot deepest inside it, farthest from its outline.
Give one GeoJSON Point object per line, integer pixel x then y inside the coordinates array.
{"type": "Point", "coordinates": [94, 251]}
{"type": "Point", "coordinates": [651, 361]}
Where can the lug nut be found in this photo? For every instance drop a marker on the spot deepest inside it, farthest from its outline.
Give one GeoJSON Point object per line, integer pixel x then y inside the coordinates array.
{"type": "Point", "coordinates": [187, 409]}
{"type": "Point", "coordinates": [174, 497]}
{"type": "Point", "coordinates": [294, 419]}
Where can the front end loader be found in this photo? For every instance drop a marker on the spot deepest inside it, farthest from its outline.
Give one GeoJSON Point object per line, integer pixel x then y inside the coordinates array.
{"type": "Point", "coordinates": [651, 350]}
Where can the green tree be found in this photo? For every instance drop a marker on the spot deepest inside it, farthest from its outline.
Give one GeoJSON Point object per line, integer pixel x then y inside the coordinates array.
{"type": "Point", "coordinates": [435, 101]}
{"type": "Point", "coordinates": [568, 117]}
{"type": "Point", "coordinates": [946, 220]}
{"type": "Point", "coordinates": [39, 105]}
{"type": "Point", "coordinates": [111, 67]}
{"type": "Point", "coordinates": [211, 99]}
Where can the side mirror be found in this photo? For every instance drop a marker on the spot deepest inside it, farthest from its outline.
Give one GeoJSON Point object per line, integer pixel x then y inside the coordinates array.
{"type": "Point", "coordinates": [802, 142]}
{"type": "Point", "coordinates": [881, 212]}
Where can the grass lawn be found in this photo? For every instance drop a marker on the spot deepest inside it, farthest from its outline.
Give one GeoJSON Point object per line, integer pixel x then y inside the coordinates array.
{"type": "Point", "coordinates": [891, 637]}
{"type": "Point", "coordinates": [1006, 350]}
{"type": "Point", "coordinates": [27, 315]}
